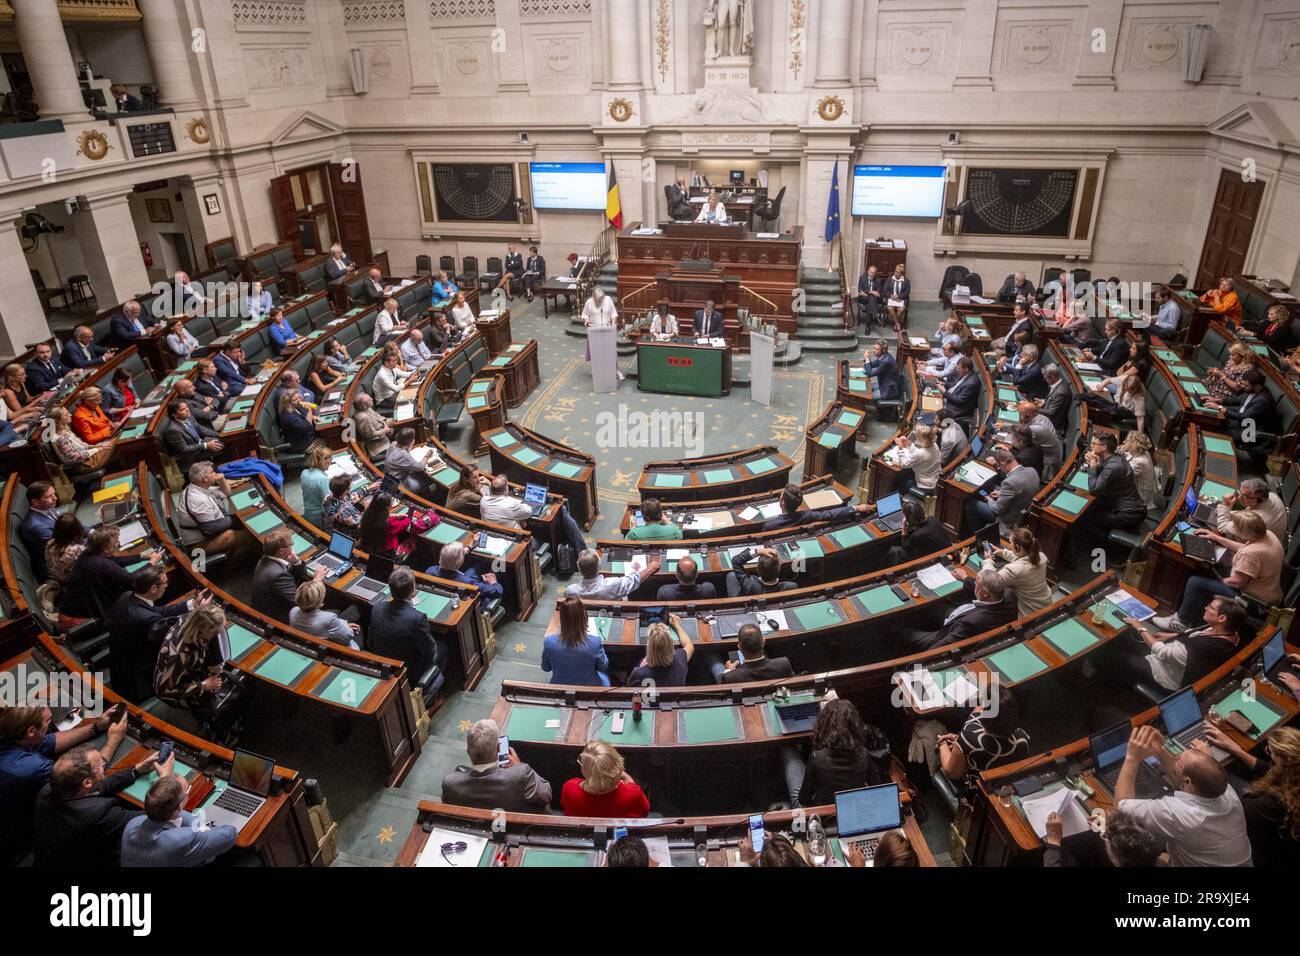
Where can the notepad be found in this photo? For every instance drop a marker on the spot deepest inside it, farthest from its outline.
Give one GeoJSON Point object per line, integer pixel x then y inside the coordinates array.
{"type": "Point", "coordinates": [851, 537]}
{"type": "Point", "coordinates": [879, 599]}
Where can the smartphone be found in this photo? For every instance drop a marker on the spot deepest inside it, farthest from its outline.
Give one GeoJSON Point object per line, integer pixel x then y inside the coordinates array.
{"type": "Point", "coordinates": [616, 724]}
{"type": "Point", "coordinates": [116, 711]}
{"type": "Point", "coordinates": [503, 750]}
{"type": "Point", "coordinates": [165, 750]}
{"type": "Point", "coordinates": [757, 835]}
{"type": "Point", "coordinates": [482, 539]}
{"type": "Point", "coordinates": [1026, 786]}
{"type": "Point", "coordinates": [619, 833]}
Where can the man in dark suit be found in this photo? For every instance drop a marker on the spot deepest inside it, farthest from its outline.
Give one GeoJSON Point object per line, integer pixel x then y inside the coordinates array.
{"type": "Point", "coordinates": [688, 586]}
{"type": "Point", "coordinates": [1016, 288]}
{"type": "Point", "coordinates": [278, 574]}
{"type": "Point", "coordinates": [708, 321]}
{"type": "Point", "coordinates": [1252, 413]}
{"type": "Point", "coordinates": [130, 323]}
{"type": "Point", "coordinates": [338, 264]}
{"type": "Point", "coordinates": [203, 408]}
{"type": "Point", "coordinates": [230, 368]}
{"type": "Point", "coordinates": [870, 297]}
{"type": "Point", "coordinates": [679, 201]}
{"type": "Point", "coordinates": [186, 439]}
{"type": "Point", "coordinates": [374, 286]}
{"type": "Point", "coordinates": [79, 819]}
{"type": "Point", "coordinates": [754, 664]}
{"type": "Point", "coordinates": [960, 399]}
{"type": "Point", "coordinates": [1019, 323]}
{"type": "Point", "coordinates": [123, 101]}
{"type": "Point", "coordinates": [136, 625]}
{"type": "Point", "coordinates": [794, 513]}
{"type": "Point", "coordinates": [401, 631]}
{"type": "Point", "coordinates": [485, 784]}
{"type": "Point", "coordinates": [512, 270]}
{"type": "Point", "coordinates": [1114, 352]}
{"type": "Point", "coordinates": [879, 364]}
{"type": "Point", "coordinates": [1056, 405]}
{"type": "Point", "coordinates": [766, 578]}
{"type": "Point", "coordinates": [1027, 376]}
{"type": "Point", "coordinates": [986, 612]}
{"type": "Point", "coordinates": [82, 351]}
{"type": "Point", "coordinates": [921, 534]}
{"type": "Point", "coordinates": [38, 524]}
{"type": "Point", "coordinates": [44, 372]}
{"type": "Point", "coordinates": [210, 384]}
{"type": "Point", "coordinates": [534, 272]}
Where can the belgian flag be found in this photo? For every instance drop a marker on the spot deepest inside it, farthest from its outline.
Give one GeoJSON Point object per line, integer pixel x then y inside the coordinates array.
{"type": "Point", "coordinates": [613, 208]}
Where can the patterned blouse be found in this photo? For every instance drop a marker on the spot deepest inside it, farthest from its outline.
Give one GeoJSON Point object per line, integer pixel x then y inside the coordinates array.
{"type": "Point", "coordinates": [181, 669]}
{"type": "Point", "coordinates": [341, 513]}
{"type": "Point", "coordinates": [1144, 473]}
{"type": "Point", "coordinates": [984, 749]}
{"type": "Point", "coordinates": [1221, 388]}
{"type": "Point", "coordinates": [60, 560]}
{"type": "Point", "coordinates": [72, 449]}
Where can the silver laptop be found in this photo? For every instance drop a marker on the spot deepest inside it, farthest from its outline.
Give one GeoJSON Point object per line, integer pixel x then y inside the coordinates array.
{"type": "Point", "coordinates": [249, 786]}
{"type": "Point", "coordinates": [1181, 713]}
{"type": "Point", "coordinates": [865, 815]}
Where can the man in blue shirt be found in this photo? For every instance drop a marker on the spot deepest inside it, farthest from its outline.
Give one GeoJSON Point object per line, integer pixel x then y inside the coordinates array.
{"type": "Point", "coordinates": [451, 565]}
{"type": "Point", "coordinates": [27, 752]}
{"type": "Point", "coordinates": [166, 835]}
{"type": "Point", "coordinates": [1169, 316]}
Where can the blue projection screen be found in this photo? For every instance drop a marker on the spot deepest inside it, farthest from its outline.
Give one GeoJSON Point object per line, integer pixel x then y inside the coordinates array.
{"type": "Point", "coordinates": [886, 191]}
{"type": "Point", "coordinates": [568, 185]}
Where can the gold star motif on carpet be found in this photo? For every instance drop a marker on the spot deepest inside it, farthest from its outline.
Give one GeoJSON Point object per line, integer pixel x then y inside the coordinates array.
{"type": "Point", "coordinates": [386, 835]}
{"type": "Point", "coordinates": [566, 402]}
{"type": "Point", "coordinates": [556, 415]}
{"type": "Point", "coordinates": [464, 726]}
{"type": "Point", "coordinates": [786, 421]}
{"type": "Point", "coordinates": [782, 436]}
{"type": "Point", "coordinates": [520, 648]}
{"type": "Point", "coordinates": [622, 479]}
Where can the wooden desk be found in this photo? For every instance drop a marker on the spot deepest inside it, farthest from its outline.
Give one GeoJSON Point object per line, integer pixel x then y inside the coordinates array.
{"type": "Point", "coordinates": [730, 474]}
{"type": "Point", "coordinates": [681, 367]}
{"type": "Point", "coordinates": [831, 436]}
{"type": "Point", "coordinates": [530, 458]}
{"type": "Point", "coordinates": [17, 626]}
{"type": "Point", "coordinates": [486, 407]}
{"type": "Point", "coordinates": [517, 365]}
{"type": "Point", "coordinates": [494, 326]}
{"type": "Point", "coordinates": [742, 515]}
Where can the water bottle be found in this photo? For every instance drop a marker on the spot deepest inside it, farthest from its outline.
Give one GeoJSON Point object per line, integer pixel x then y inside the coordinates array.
{"type": "Point", "coordinates": [636, 708]}
{"type": "Point", "coordinates": [701, 855]}
{"type": "Point", "coordinates": [816, 842]}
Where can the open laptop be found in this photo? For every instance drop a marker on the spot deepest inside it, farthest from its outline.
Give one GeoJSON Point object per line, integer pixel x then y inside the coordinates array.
{"type": "Point", "coordinates": [1109, 748]}
{"type": "Point", "coordinates": [1181, 713]}
{"type": "Point", "coordinates": [976, 446]}
{"type": "Point", "coordinates": [379, 567]}
{"type": "Point", "coordinates": [797, 718]}
{"type": "Point", "coordinates": [889, 511]}
{"type": "Point", "coordinates": [535, 498]}
{"type": "Point", "coordinates": [864, 815]}
{"type": "Point", "coordinates": [1273, 656]}
{"type": "Point", "coordinates": [367, 588]}
{"type": "Point", "coordinates": [339, 556]}
{"type": "Point", "coordinates": [1198, 548]}
{"type": "Point", "coordinates": [1198, 512]}
{"type": "Point", "coordinates": [388, 485]}
{"type": "Point", "coordinates": [250, 784]}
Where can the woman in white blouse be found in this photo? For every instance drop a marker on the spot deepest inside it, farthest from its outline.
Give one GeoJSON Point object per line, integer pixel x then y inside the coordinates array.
{"type": "Point", "coordinates": [664, 324]}
{"type": "Point", "coordinates": [1137, 450]}
{"type": "Point", "coordinates": [179, 340]}
{"type": "Point", "coordinates": [1025, 571]}
{"type": "Point", "coordinates": [1129, 392]}
{"type": "Point", "coordinates": [461, 313]}
{"type": "Point", "coordinates": [920, 453]}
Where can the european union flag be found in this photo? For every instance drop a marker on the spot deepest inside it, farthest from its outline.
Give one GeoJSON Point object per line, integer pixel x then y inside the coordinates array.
{"type": "Point", "coordinates": [833, 205]}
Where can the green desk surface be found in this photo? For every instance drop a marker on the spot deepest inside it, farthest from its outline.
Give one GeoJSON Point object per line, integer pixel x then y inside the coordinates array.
{"type": "Point", "coordinates": [878, 600]}
{"type": "Point", "coordinates": [665, 479]}
{"type": "Point", "coordinates": [301, 545]}
{"type": "Point", "coordinates": [849, 419]}
{"type": "Point", "coordinates": [430, 604]}
{"type": "Point", "coordinates": [502, 439]}
{"type": "Point", "coordinates": [851, 537]}
{"type": "Point", "coordinates": [447, 477]}
{"type": "Point", "coordinates": [1070, 637]}
{"type": "Point", "coordinates": [136, 566]}
{"type": "Point", "coordinates": [762, 466]}
{"type": "Point", "coordinates": [857, 371]}
{"type": "Point", "coordinates": [1166, 355]}
{"type": "Point", "coordinates": [186, 366]}
{"type": "Point", "coordinates": [476, 388]}
{"type": "Point", "coordinates": [1008, 415]}
{"type": "Point", "coordinates": [671, 563]}
{"type": "Point", "coordinates": [636, 733]}
{"type": "Point", "coordinates": [564, 469]}
{"type": "Point", "coordinates": [534, 856]}
{"type": "Point", "coordinates": [1260, 714]}
{"type": "Point", "coordinates": [527, 455]}
{"type": "Point", "coordinates": [263, 521]}
{"type": "Point", "coordinates": [830, 439]}
{"type": "Point", "coordinates": [1016, 663]}
{"type": "Point", "coordinates": [774, 719]}
{"type": "Point", "coordinates": [283, 666]}
{"type": "Point", "coordinates": [951, 587]}
{"type": "Point", "coordinates": [444, 532]}
{"type": "Point", "coordinates": [476, 401]}
{"type": "Point", "coordinates": [128, 480]}
{"type": "Point", "coordinates": [347, 688]}
{"type": "Point", "coordinates": [810, 548]}
{"type": "Point", "coordinates": [1196, 388]}
{"type": "Point", "coordinates": [241, 640]}
{"type": "Point", "coordinates": [1212, 489]}
{"type": "Point", "coordinates": [1007, 394]}
{"type": "Point", "coordinates": [857, 385]}
{"type": "Point", "coordinates": [1069, 502]}
{"type": "Point", "coordinates": [133, 431]}
{"type": "Point", "coordinates": [601, 624]}
{"type": "Point", "coordinates": [528, 722]}
{"type": "Point", "coordinates": [821, 614]}
{"type": "Point", "coordinates": [1079, 480]}
{"type": "Point", "coordinates": [141, 786]}
{"type": "Point", "coordinates": [707, 725]}
{"type": "Point", "coordinates": [718, 475]}
{"type": "Point", "coordinates": [499, 361]}
{"type": "Point", "coordinates": [1219, 446]}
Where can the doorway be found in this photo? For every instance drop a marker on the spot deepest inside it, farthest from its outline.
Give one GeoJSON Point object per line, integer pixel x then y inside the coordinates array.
{"type": "Point", "coordinates": [1232, 221]}
{"type": "Point", "coordinates": [319, 205]}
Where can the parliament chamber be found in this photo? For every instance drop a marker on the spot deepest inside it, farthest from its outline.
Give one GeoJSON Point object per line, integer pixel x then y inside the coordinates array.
{"type": "Point", "coordinates": [899, 468]}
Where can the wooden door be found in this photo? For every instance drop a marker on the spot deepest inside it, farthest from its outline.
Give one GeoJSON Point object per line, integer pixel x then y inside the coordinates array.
{"type": "Point", "coordinates": [348, 201]}
{"type": "Point", "coordinates": [286, 211]}
{"type": "Point", "coordinates": [1227, 239]}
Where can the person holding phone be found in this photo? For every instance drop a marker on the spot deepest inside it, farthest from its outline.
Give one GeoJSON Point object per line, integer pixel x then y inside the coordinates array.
{"type": "Point", "coordinates": [489, 784]}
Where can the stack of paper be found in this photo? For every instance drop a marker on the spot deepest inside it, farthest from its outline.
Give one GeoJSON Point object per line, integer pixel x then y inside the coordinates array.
{"type": "Point", "coordinates": [1065, 801]}
{"type": "Point", "coordinates": [935, 577]}
{"type": "Point", "coordinates": [432, 854]}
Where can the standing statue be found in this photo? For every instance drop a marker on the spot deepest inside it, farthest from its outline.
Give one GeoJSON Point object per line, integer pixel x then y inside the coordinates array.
{"type": "Point", "coordinates": [729, 28]}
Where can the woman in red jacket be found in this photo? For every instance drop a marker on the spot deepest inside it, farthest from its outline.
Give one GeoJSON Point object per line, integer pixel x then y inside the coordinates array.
{"type": "Point", "coordinates": [381, 530]}
{"type": "Point", "coordinates": [604, 789]}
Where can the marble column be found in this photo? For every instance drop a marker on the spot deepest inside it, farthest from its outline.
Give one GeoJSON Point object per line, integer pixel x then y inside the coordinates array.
{"type": "Point", "coordinates": [108, 239]}
{"type": "Point", "coordinates": [624, 55]}
{"type": "Point", "coordinates": [22, 319]}
{"type": "Point", "coordinates": [49, 60]}
{"type": "Point", "coordinates": [834, 33]}
{"type": "Point", "coordinates": [169, 53]}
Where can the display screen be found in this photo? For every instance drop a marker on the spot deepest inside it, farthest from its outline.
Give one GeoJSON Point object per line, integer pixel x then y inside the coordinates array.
{"type": "Point", "coordinates": [568, 185]}
{"type": "Point", "coordinates": [892, 191]}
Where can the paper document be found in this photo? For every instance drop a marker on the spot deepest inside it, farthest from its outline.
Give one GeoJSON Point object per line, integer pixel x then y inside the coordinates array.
{"type": "Point", "coordinates": [432, 854]}
{"type": "Point", "coordinates": [142, 411]}
{"type": "Point", "coordinates": [895, 303]}
{"type": "Point", "coordinates": [981, 300]}
{"type": "Point", "coordinates": [404, 411]}
{"type": "Point", "coordinates": [250, 390]}
{"type": "Point", "coordinates": [778, 617]}
{"type": "Point", "coordinates": [1130, 605]}
{"type": "Point", "coordinates": [341, 466]}
{"type": "Point", "coordinates": [718, 343]}
{"type": "Point", "coordinates": [768, 235]}
{"type": "Point", "coordinates": [935, 577]}
{"type": "Point", "coordinates": [976, 474]}
{"type": "Point", "coordinates": [496, 546]}
{"type": "Point", "coordinates": [749, 513]}
{"type": "Point", "coordinates": [770, 510]}
{"type": "Point", "coordinates": [1065, 801]}
{"type": "Point", "coordinates": [1087, 366]}
{"type": "Point", "coordinates": [657, 847]}
{"type": "Point", "coordinates": [919, 340]}
{"type": "Point", "coordinates": [702, 341]}
{"type": "Point", "coordinates": [676, 554]}
{"type": "Point", "coordinates": [130, 533]}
